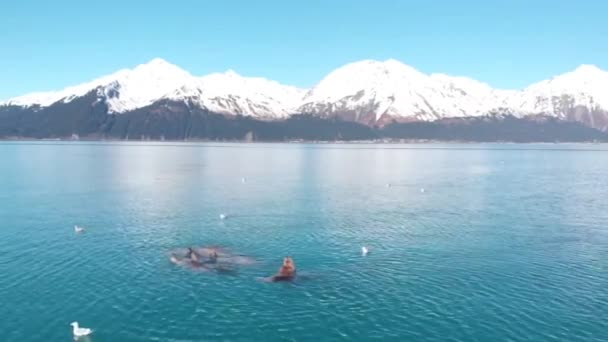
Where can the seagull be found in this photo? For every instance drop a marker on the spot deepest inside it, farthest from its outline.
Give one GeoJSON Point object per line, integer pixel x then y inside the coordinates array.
{"type": "Point", "coordinates": [388, 185]}
{"type": "Point", "coordinates": [78, 229]}
{"type": "Point", "coordinates": [364, 251]}
{"type": "Point", "coordinates": [421, 190]}
{"type": "Point", "coordinates": [78, 331]}
{"type": "Point", "coordinates": [223, 216]}
{"type": "Point", "coordinates": [244, 180]}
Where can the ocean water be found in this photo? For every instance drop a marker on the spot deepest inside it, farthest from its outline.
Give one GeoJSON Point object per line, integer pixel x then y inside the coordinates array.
{"type": "Point", "coordinates": [506, 243]}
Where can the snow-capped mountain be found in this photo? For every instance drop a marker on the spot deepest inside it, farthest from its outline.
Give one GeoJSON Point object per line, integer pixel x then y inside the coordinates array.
{"type": "Point", "coordinates": [370, 92]}
{"type": "Point", "coordinates": [365, 91]}
{"type": "Point", "coordinates": [227, 93]}
{"type": "Point", "coordinates": [230, 93]}
{"type": "Point", "coordinates": [580, 95]}
{"type": "Point", "coordinates": [586, 86]}
{"type": "Point", "coordinates": [123, 90]}
{"type": "Point", "coordinates": [470, 97]}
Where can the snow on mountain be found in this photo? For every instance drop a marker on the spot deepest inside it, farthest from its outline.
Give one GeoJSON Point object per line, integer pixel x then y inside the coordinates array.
{"type": "Point", "coordinates": [124, 90]}
{"type": "Point", "coordinates": [367, 91]}
{"type": "Point", "coordinates": [230, 93]}
{"type": "Point", "coordinates": [586, 86]}
{"type": "Point", "coordinates": [468, 97]}
{"type": "Point", "coordinates": [227, 93]}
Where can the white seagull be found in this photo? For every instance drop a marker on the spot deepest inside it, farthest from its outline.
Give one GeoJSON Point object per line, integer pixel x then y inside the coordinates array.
{"type": "Point", "coordinates": [244, 180]}
{"type": "Point", "coordinates": [78, 229]}
{"type": "Point", "coordinates": [78, 331]}
{"type": "Point", "coordinates": [223, 216]}
{"type": "Point", "coordinates": [364, 251]}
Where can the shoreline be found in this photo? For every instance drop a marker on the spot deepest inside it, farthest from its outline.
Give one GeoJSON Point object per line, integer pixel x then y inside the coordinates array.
{"type": "Point", "coordinates": [65, 141]}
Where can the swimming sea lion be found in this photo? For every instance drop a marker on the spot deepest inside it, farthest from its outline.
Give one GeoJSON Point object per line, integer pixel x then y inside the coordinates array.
{"type": "Point", "coordinates": [287, 272]}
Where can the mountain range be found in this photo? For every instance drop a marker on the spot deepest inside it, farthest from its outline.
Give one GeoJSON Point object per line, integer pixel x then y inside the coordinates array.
{"type": "Point", "coordinates": [376, 94]}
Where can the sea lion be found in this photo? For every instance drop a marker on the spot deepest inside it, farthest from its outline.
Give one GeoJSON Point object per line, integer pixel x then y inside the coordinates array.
{"type": "Point", "coordinates": [185, 261]}
{"type": "Point", "coordinates": [224, 255]}
{"type": "Point", "coordinates": [193, 255]}
{"type": "Point", "coordinates": [287, 272]}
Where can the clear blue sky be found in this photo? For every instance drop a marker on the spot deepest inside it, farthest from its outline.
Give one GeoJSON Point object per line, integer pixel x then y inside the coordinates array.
{"type": "Point", "coordinates": [47, 45]}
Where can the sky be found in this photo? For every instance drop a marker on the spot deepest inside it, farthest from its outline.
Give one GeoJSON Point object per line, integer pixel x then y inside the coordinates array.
{"type": "Point", "coordinates": [48, 45]}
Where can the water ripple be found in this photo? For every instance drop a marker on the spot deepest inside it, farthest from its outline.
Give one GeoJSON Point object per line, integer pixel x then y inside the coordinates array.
{"type": "Point", "coordinates": [484, 254]}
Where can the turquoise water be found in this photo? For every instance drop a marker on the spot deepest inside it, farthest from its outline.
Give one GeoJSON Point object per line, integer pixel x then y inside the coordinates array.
{"type": "Point", "coordinates": [506, 243]}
